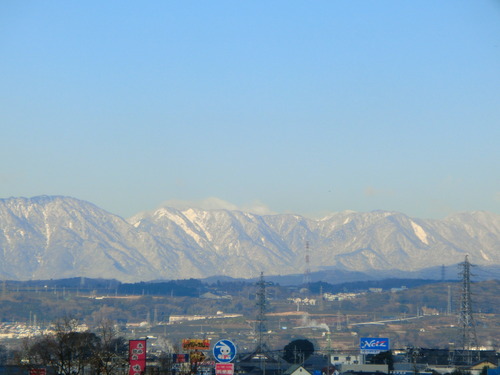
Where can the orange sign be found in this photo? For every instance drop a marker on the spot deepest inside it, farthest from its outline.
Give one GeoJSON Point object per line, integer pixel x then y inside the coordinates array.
{"type": "Point", "coordinates": [197, 357]}
{"type": "Point", "coordinates": [196, 344]}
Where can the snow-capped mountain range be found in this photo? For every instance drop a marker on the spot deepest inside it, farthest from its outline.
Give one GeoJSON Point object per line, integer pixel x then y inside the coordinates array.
{"type": "Point", "coordinates": [52, 237]}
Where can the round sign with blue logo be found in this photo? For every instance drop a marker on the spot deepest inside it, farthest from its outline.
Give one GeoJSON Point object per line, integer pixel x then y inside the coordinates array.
{"type": "Point", "coordinates": [224, 351]}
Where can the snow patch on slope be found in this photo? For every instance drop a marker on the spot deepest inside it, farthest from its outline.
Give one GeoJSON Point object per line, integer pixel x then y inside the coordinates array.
{"type": "Point", "coordinates": [420, 232]}
{"type": "Point", "coordinates": [181, 222]}
{"type": "Point", "coordinates": [195, 218]}
{"type": "Point", "coordinates": [484, 255]}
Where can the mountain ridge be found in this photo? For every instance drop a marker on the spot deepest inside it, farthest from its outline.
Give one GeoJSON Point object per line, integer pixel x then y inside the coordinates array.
{"type": "Point", "coordinates": [57, 236]}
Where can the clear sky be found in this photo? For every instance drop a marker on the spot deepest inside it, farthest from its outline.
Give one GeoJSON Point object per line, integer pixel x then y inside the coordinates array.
{"type": "Point", "coordinates": [306, 107]}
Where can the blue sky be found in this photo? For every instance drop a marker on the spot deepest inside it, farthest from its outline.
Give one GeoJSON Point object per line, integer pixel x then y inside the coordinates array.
{"type": "Point", "coordinates": [277, 106]}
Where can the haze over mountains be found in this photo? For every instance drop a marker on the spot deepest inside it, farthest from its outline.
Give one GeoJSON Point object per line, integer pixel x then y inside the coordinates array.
{"type": "Point", "coordinates": [58, 237]}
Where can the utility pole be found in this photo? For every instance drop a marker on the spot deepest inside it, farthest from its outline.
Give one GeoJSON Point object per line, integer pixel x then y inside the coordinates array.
{"type": "Point", "coordinates": [415, 354]}
{"type": "Point", "coordinates": [321, 301]}
{"type": "Point", "coordinates": [339, 321]}
{"type": "Point", "coordinates": [448, 307]}
{"type": "Point", "coordinates": [261, 317]}
{"type": "Point", "coordinates": [329, 351]}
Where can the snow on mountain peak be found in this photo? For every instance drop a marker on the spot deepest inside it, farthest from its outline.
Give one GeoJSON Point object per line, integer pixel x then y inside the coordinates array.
{"type": "Point", "coordinates": [47, 237]}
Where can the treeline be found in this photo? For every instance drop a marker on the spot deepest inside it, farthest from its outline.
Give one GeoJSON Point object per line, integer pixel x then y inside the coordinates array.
{"type": "Point", "coordinates": [185, 288]}
{"type": "Point", "coordinates": [182, 288]}
{"type": "Point", "coordinates": [192, 287]}
{"type": "Point", "coordinates": [68, 350]}
{"type": "Point", "coordinates": [177, 288]}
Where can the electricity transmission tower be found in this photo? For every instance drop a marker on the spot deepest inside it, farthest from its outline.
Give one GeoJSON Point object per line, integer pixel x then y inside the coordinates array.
{"type": "Point", "coordinates": [468, 337]}
{"type": "Point", "coordinates": [307, 271]}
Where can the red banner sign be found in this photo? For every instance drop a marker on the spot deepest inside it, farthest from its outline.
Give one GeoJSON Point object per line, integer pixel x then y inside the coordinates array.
{"type": "Point", "coordinates": [224, 368]}
{"type": "Point", "coordinates": [181, 358]}
{"type": "Point", "coordinates": [38, 371]}
{"type": "Point", "coordinates": [137, 357]}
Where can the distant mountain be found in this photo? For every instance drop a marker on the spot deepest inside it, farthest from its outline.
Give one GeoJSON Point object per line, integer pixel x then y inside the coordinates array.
{"type": "Point", "coordinates": [59, 237]}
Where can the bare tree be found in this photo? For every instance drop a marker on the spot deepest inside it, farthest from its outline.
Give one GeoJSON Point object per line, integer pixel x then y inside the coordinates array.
{"type": "Point", "coordinates": [67, 350]}
{"type": "Point", "coordinates": [70, 351]}
{"type": "Point", "coordinates": [110, 356]}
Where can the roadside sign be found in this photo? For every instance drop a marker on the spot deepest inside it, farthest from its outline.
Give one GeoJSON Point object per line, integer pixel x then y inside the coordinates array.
{"type": "Point", "coordinates": [196, 344]}
{"type": "Point", "coordinates": [224, 368]}
{"type": "Point", "coordinates": [197, 357]}
{"type": "Point", "coordinates": [181, 358]}
{"type": "Point", "coordinates": [373, 345]}
{"type": "Point", "coordinates": [224, 351]}
{"type": "Point", "coordinates": [137, 357]}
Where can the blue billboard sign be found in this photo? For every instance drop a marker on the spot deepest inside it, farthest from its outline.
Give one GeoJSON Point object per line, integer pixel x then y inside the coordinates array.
{"type": "Point", "coordinates": [224, 351]}
{"type": "Point", "coordinates": [373, 345]}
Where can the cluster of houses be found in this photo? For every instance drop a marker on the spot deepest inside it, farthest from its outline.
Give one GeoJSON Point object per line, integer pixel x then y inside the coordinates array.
{"type": "Point", "coordinates": [19, 330]}
{"type": "Point", "coordinates": [428, 362]}
{"type": "Point", "coordinates": [302, 301]}
{"type": "Point", "coordinates": [340, 296]}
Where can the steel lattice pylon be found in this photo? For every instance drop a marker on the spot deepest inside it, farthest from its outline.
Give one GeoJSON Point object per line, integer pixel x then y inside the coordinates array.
{"type": "Point", "coordinates": [307, 271]}
{"type": "Point", "coordinates": [468, 337]}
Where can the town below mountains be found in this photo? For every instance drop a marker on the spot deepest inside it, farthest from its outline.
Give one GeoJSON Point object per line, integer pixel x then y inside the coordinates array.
{"type": "Point", "coordinates": [416, 313]}
{"type": "Point", "coordinates": [55, 237]}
